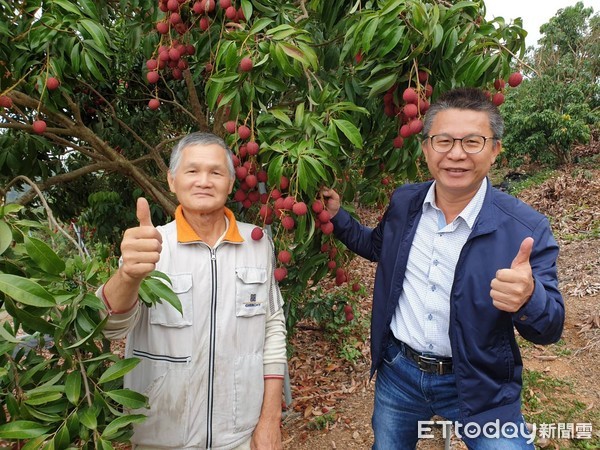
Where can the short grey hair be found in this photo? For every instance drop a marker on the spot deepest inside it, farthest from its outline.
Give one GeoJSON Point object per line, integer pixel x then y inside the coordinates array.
{"type": "Point", "coordinates": [199, 138]}
{"type": "Point", "coordinates": [465, 98]}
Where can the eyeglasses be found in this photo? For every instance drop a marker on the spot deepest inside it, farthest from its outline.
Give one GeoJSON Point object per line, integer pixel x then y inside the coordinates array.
{"type": "Point", "coordinates": [473, 143]}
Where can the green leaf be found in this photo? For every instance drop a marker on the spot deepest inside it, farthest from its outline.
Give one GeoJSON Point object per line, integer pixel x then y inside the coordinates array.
{"type": "Point", "coordinates": [43, 255]}
{"type": "Point", "coordinates": [92, 333]}
{"type": "Point", "coordinates": [91, 66]}
{"type": "Point", "coordinates": [247, 9]}
{"type": "Point", "coordinates": [5, 236]}
{"type": "Point", "coordinates": [112, 429]}
{"type": "Point", "coordinates": [5, 335]}
{"type": "Point", "coordinates": [35, 444]}
{"type": "Point", "coordinates": [67, 6]}
{"type": "Point", "coordinates": [260, 25]}
{"type": "Point", "coordinates": [128, 398]}
{"type": "Point", "coordinates": [97, 33]}
{"type": "Point", "coordinates": [350, 131]}
{"type": "Point", "coordinates": [22, 429]}
{"type": "Point", "coordinates": [281, 116]}
{"type": "Point", "coordinates": [164, 292]}
{"type": "Point", "coordinates": [73, 387]}
{"type": "Point", "coordinates": [382, 84]}
{"type": "Point", "coordinates": [118, 369]}
{"type": "Point", "coordinates": [25, 291]}
{"type": "Point", "coordinates": [295, 53]}
{"type": "Point", "coordinates": [88, 417]}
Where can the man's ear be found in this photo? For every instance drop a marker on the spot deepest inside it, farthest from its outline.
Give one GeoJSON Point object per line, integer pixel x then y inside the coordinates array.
{"type": "Point", "coordinates": [171, 181]}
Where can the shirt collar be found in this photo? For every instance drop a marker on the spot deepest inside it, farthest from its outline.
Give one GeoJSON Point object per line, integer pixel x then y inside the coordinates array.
{"type": "Point", "coordinates": [471, 211]}
{"type": "Point", "coordinates": [185, 232]}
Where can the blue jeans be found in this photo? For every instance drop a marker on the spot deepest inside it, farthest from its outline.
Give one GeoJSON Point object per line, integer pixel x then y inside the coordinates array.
{"type": "Point", "coordinates": [404, 395]}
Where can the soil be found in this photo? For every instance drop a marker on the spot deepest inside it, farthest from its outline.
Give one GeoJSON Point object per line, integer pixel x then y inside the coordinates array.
{"type": "Point", "coordinates": [333, 397]}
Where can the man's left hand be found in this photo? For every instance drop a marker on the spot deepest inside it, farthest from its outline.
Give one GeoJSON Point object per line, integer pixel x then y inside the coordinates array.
{"type": "Point", "coordinates": [513, 287]}
{"type": "Point", "coordinates": [267, 436]}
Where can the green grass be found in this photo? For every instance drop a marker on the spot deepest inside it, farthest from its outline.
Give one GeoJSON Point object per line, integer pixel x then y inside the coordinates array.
{"type": "Point", "coordinates": [550, 400]}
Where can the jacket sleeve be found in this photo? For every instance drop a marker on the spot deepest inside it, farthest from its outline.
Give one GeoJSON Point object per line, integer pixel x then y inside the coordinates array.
{"type": "Point", "coordinates": [541, 319]}
{"type": "Point", "coordinates": [118, 325]}
{"type": "Point", "coordinates": [360, 239]}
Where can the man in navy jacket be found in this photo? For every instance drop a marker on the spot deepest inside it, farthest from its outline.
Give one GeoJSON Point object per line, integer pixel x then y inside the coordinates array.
{"type": "Point", "coordinates": [460, 265]}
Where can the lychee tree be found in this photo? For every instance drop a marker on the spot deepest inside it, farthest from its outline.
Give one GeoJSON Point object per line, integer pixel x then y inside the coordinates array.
{"type": "Point", "coordinates": [307, 93]}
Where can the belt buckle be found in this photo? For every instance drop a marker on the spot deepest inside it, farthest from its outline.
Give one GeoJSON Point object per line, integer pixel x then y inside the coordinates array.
{"type": "Point", "coordinates": [422, 360]}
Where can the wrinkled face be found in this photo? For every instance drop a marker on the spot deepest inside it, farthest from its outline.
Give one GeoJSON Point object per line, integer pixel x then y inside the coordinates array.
{"type": "Point", "coordinates": [202, 181]}
{"type": "Point", "coordinates": [459, 174]}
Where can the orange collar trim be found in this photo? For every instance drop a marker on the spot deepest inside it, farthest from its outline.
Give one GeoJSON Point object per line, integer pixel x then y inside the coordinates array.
{"type": "Point", "coordinates": [185, 232]}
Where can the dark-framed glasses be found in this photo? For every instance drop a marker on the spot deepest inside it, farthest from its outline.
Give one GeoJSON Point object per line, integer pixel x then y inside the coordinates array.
{"type": "Point", "coordinates": [472, 143]}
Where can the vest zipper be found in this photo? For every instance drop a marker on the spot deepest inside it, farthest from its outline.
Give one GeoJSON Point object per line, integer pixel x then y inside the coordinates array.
{"type": "Point", "coordinates": [212, 345]}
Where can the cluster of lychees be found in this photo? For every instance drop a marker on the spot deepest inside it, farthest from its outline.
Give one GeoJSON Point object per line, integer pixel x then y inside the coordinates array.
{"type": "Point", "coordinates": [514, 80]}
{"type": "Point", "coordinates": [408, 107]}
{"type": "Point", "coordinates": [180, 16]}
{"type": "Point", "coordinates": [39, 126]}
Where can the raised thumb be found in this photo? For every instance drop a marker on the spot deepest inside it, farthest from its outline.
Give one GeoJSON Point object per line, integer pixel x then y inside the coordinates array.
{"type": "Point", "coordinates": [142, 212]}
{"type": "Point", "coordinates": [524, 253]}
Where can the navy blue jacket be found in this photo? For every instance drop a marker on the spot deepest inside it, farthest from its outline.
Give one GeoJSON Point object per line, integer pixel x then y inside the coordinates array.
{"type": "Point", "coordinates": [486, 357]}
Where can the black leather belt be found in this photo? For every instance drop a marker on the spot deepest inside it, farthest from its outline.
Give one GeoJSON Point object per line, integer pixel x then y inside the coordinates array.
{"type": "Point", "coordinates": [426, 363]}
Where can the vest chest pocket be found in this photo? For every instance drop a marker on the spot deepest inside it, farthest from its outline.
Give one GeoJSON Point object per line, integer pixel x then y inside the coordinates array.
{"type": "Point", "coordinates": [251, 291]}
{"type": "Point", "coordinates": [164, 314]}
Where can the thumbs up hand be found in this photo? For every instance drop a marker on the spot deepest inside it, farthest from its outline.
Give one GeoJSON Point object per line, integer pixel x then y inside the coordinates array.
{"type": "Point", "coordinates": [513, 287]}
{"type": "Point", "coordinates": [141, 246]}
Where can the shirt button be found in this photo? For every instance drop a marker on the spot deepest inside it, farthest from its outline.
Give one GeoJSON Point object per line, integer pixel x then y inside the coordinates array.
{"type": "Point", "coordinates": [430, 346]}
{"type": "Point", "coordinates": [435, 262]}
{"type": "Point", "coordinates": [430, 317]}
{"type": "Point", "coordinates": [433, 288]}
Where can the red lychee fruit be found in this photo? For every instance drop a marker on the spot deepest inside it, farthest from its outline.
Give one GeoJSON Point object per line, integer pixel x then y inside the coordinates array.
{"type": "Point", "coordinates": [423, 76]}
{"type": "Point", "coordinates": [288, 222]}
{"type": "Point", "coordinates": [154, 104]}
{"type": "Point", "coordinates": [52, 83]}
{"type": "Point", "coordinates": [152, 77]}
{"type": "Point", "coordinates": [231, 13]}
{"type": "Point", "coordinates": [410, 95]}
{"type": "Point", "coordinates": [284, 183]}
{"type": "Point", "coordinates": [204, 23]}
{"type": "Point", "coordinates": [415, 126]}
{"type": "Point", "coordinates": [246, 64]}
{"type": "Point", "coordinates": [355, 287]}
{"type": "Point", "coordinates": [257, 234]}
{"type": "Point", "coordinates": [162, 27]}
{"type": "Point", "coordinates": [327, 228]}
{"type": "Point", "coordinates": [284, 257]}
{"type": "Point", "coordinates": [324, 216]}
{"type": "Point", "coordinates": [398, 142]}
{"type": "Point", "coordinates": [252, 148]}
{"type": "Point", "coordinates": [300, 208]}
{"type": "Point", "coordinates": [251, 181]}
{"type": "Point", "coordinates": [280, 273]}
{"type": "Point", "coordinates": [498, 98]}
{"type": "Point", "coordinates": [224, 3]}
{"type": "Point", "coordinates": [347, 308]}
{"type": "Point", "coordinates": [243, 132]}
{"type": "Point", "coordinates": [410, 110]}
{"type": "Point", "coordinates": [317, 206]}
{"type": "Point", "coordinates": [349, 317]}
{"type": "Point", "coordinates": [515, 79]}
{"type": "Point", "coordinates": [39, 126]}
{"type": "Point", "coordinates": [5, 101]}
{"type": "Point", "coordinates": [230, 126]}
{"type": "Point", "coordinates": [499, 84]}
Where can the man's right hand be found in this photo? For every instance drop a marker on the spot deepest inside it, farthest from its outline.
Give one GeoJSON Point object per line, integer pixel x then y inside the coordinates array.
{"type": "Point", "coordinates": [141, 245]}
{"type": "Point", "coordinates": [331, 200]}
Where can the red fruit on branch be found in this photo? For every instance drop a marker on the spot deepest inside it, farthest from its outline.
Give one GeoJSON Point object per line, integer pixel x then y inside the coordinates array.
{"type": "Point", "coordinates": [257, 234]}
{"type": "Point", "coordinates": [347, 308]}
{"type": "Point", "coordinates": [5, 101]}
{"type": "Point", "coordinates": [246, 64]}
{"type": "Point", "coordinates": [224, 3]}
{"type": "Point", "coordinates": [52, 83]}
{"type": "Point", "coordinates": [284, 183]}
{"type": "Point", "coordinates": [498, 98]}
{"type": "Point", "coordinates": [326, 228]}
{"type": "Point", "coordinates": [280, 273]}
{"type": "Point", "coordinates": [398, 142]}
{"type": "Point", "coordinates": [355, 287]}
{"type": "Point", "coordinates": [284, 257]}
{"type": "Point", "coordinates": [152, 77]}
{"type": "Point", "coordinates": [230, 126]}
{"type": "Point", "coordinates": [300, 208]}
{"type": "Point", "coordinates": [317, 206]}
{"type": "Point", "coordinates": [243, 132]}
{"type": "Point", "coordinates": [410, 95]}
{"type": "Point", "coordinates": [154, 104]}
{"type": "Point", "coordinates": [515, 79]}
{"type": "Point", "coordinates": [288, 222]}
{"type": "Point", "coordinates": [39, 126]}
{"type": "Point", "coordinates": [252, 148]}
{"type": "Point", "coordinates": [499, 84]}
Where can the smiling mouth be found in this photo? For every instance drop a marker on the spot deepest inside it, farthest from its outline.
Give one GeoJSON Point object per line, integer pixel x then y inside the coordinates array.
{"type": "Point", "coordinates": [456, 170]}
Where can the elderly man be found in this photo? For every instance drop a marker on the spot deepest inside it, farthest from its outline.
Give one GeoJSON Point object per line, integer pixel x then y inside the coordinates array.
{"type": "Point", "coordinates": [459, 265]}
{"type": "Point", "coordinates": [213, 375]}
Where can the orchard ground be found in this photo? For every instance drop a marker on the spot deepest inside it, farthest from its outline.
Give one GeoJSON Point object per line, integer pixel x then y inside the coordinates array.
{"type": "Point", "coordinates": [333, 396]}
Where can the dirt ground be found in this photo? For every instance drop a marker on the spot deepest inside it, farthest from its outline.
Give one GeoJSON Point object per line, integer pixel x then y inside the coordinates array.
{"type": "Point", "coordinates": [345, 392]}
